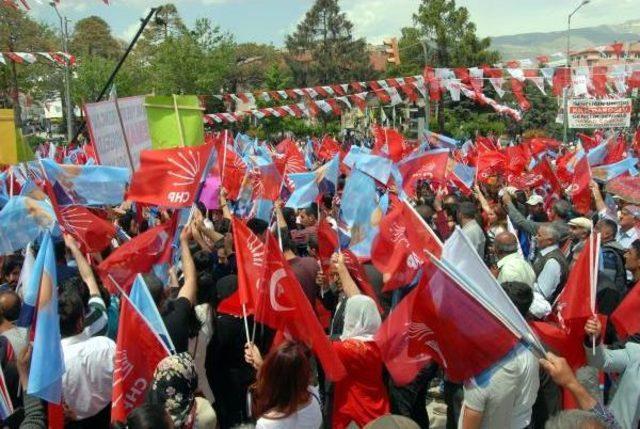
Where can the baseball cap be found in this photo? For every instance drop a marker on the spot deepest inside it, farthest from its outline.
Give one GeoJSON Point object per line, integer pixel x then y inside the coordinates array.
{"type": "Point", "coordinates": [534, 200]}
{"type": "Point", "coordinates": [581, 222]}
{"type": "Point", "coordinates": [632, 210]}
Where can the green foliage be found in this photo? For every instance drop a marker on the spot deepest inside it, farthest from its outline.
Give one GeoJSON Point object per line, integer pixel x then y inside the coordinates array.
{"type": "Point", "coordinates": [323, 50]}
{"type": "Point", "coordinates": [92, 38]}
{"type": "Point", "coordinates": [253, 61]}
{"type": "Point", "coordinates": [412, 59]}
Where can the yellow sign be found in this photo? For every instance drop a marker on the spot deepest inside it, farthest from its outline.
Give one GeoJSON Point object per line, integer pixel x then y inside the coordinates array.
{"type": "Point", "coordinates": [12, 147]}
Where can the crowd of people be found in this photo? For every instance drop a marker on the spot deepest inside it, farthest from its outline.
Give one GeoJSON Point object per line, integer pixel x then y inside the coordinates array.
{"type": "Point", "coordinates": [218, 376]}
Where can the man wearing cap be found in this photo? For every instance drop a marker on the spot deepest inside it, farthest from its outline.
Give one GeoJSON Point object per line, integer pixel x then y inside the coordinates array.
{"type": "Point", "coordinates": [580, 228]}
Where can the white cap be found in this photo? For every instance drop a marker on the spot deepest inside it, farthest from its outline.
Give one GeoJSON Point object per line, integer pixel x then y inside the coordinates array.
{"type": "Point", "coordinates": [534, 200]}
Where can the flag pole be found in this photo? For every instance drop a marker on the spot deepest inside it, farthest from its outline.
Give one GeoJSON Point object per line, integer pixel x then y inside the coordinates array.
{"type": "Point", "coordinates": [224, 156]}
{"type": "Point", "coordinates": [246, 324]}
{"type": "Point", "coordinates": [11, 182]}
{"type": "Point", "coordinates": [177, 112]}
{"type": "Point", "coordinates": [594, 285]}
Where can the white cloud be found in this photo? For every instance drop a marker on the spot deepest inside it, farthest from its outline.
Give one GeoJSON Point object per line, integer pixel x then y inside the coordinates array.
{"type": "Point", "coordinates": [378, 19]}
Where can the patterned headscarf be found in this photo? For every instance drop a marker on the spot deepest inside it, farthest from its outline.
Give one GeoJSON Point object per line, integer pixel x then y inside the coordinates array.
{"type": "Point", "coordinates": [174, 384]}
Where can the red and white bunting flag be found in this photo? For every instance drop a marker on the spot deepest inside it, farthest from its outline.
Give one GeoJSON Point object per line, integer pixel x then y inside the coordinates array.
{"type": "Point", "coordinates": [311, 92]}
{"type": "Point", "coordinates": [538, 81]}
{"type": "Point", "coordinates": [299, 92]}
{"type": "Point", "coordinates": [335, 108]}
{"type": "Point", "coordinates": [394, 96]}
{"type": "Point", "coordinates": [497, 83]}
{"type": "Point", "coordinates": [453, 85]}
{"type": "Point", "coordinates": [265, 96]}
{"type": "Point", "coordinates": [345, 100]}
{"type": "Point", "coordinates": [283, 94]}
{"type": "Point", "coordinates": [323, 105]}
{"type": "Point", "coordinates": [2, 60]}
{"type": "Point", "coordinates": [329, 90]}
{"type": "Point", "coordinates": [359, 100]}
{"type": "Point", "coordinates": [320, 91]}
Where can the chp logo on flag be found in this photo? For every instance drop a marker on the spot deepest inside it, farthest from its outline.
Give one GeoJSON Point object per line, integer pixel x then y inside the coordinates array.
{"type": "Point", "coordinates": [187, 166]}
{"type": "Point", "coordinates": [169, 177]}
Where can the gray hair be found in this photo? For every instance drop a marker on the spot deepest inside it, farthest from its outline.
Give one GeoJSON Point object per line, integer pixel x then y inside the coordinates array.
{"type": "Point", "coordinates": [553, 232]}
{"type": "Point", "coordinates": [574, 419]}
{"type": "Point", "coordinates": [506, 243]}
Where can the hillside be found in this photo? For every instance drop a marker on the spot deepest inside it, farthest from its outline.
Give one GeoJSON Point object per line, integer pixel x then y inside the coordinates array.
{"type": "Point", "coordinates": [529, 45]}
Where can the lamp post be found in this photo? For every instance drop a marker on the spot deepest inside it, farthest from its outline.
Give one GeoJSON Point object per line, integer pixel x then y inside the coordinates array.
{"type": "Point", "coordinates": [567, 64]}
{"type": "Point", "coordinates": [67, 75]}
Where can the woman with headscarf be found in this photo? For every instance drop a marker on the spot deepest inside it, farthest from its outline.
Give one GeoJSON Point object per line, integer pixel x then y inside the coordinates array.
{"type": "Point", "coordinates": [362, 395]}
{"type": "Point", "coordinates": [174, 385]}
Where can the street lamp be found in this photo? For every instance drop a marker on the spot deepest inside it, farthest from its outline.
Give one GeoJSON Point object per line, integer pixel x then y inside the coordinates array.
{"type": "Point", "coordinates": [67, 77]}
{"type": "Point", "coordinates": [567, 63]}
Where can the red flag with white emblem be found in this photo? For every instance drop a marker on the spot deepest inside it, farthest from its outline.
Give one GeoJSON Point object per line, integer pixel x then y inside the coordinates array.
{"type": "Point", "coordinates": [138, 352]}
{"type": "Point", "coordinates": [282, 305]}
{"type": "Point", "coordinates": [169, 177]}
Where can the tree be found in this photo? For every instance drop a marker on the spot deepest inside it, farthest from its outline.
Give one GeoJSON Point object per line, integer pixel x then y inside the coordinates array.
{"type": "Point", "coordinates": [253, 61]}
{"type": "Point", "coordinates": [92, 38]}
{"type": "Point", "coordinates": [20, 33]}
{"type": "Point", "coordinates": [451, 38]}
{"type": "Point", "coordinates": [323, 50]}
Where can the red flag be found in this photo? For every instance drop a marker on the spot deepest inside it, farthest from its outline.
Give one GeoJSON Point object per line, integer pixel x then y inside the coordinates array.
{"type": "Point", "coordinates": [328, 245]}
{"type": "Point", "coordinates": [233, 170]}
{"type": "Point", "coordinates": [615, 150]}
{"type": "Point", "coordinates": [518, 92]}
{"type": "Point", "coordinates": [599, 80]}
{"type": "Point", "coordinates": [169, 177]}
{"type": "Point", "coordinates": [543, 168]}
{"type": "Point", "coordinates": [625, 317]}
{"type": "Point", "coordinates": [138, 255]}
{"type": "Point", "coordinates": [282, 305]}
{"type": "Point", "coordinates": [266, 181]}
{"type": "Point", "coordinates": [327, 148]}
{"type": "Point", "coordinates": [93, 233]}
{"type": "Point", "coordinates": [574, 302]}
{"type": "Point", "coordinates": [588, 142]}
{"type": "Point", "coordinates": [430, 166]}
{"type": "Point", "coordinates": [561, 79]}
{"type": "Point", "coordinates": [289, 159]}
{"type": "Point", "coordinates": [618, 49]}
{"type": "Point", "coordinates": [518, 158]}
{"type": "Point", "coordinates": [490, 162]}
{"type": "Point", "coordinates": [390, 141]}
{"type": "Point", "coordinates": [525, 180]}
{"type": "Point", "coordinates": [402, 246]}
{"type": "Point", "coordinates": [445, 323]}
{"type": "Point", "coordinates": [138, 352]}
{"type": "Point", "coordinates": [579, 190]}
{"type": "Point", "coordinates": [561, 342]}
{"type": "Point", "coordinates": [250, 254]}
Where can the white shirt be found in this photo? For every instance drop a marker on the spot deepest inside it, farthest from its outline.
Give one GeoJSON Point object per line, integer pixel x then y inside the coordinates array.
{"type": "Point", "coordinates": [625, 238]}
{"type": "Point", "coordinates": [307, 417]}
{"type": "Point", "coordinates": [505, 393]}
{"type": "Point", "coordinates": [550, 276]}
{"type": "Point", "coordinates": [88, 379]}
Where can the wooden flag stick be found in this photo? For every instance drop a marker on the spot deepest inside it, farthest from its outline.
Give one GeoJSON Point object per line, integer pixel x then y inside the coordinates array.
{"type": "Point", "coordinates": [177, 112]}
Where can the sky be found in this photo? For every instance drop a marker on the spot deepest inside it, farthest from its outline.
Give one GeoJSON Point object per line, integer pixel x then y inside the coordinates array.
{"type": "Point", "coordinates": [269, 21]}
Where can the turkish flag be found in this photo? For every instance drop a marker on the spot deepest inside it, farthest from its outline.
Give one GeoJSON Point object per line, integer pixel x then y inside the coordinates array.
{"type": "Point", "coordinates": [625, 318]}
{"type": "Point", "coordinates": [430, 166]}
{"type": "Point", "coordinates": [169, 177]}
{"type": "Point", "coordinates": [250, 254]}
{"type": "Point", "coordinates": [138, 255]}
{"type": "Point", "coordinates": [579, 189]}
{"type": "Point", "coordinates": [540, 144]}
{"type": "Point", "coordinates": [439, 320]}
{"type": "Point", "coordinates": [588, 142]}
{"type": "Point", "coordinates": [138, 352]}
{"type": "Point", "coordinates": [282, 305]}
{"type": "Point", "coordinates": [402, 246]}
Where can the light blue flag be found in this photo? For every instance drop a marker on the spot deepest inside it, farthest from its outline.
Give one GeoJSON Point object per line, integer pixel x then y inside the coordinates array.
{"type": "Point", "coordinates": [439, 140]}
{"type": "Point", "coordinates": [305, 192]}
{"type": "Point", "coordinates": [30, 289]}
{"type": "Point", "coordinates": [465, 174]}
{"type": "Point", "coordinates": [263, 209]}
{"type": "Point", "coordinates": [368, 231]}
{"type": "Point", "coordinates": [141, 298]}
{"type": "Point", "coordinates": [22, 220]}
{"type": "Point", "coordinates": [47, 363]}
{"type": "Point", "coordinates": [4, 194]}
{"type": "Point", "coordinates": [87, 184]}
{"type": "Point", "coordinates": [363, 213]}
{"type": "Point", "coordinates": [598, 154]}
{"type": "Point", "coordinates": [308, 154]}
{"type": "Point", "coordinates": [611, 171]}
{"type": "Point", "coordinates": [375, 166]}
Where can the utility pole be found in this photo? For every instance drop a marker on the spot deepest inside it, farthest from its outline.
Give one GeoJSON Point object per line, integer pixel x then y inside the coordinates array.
{"type": "Point", "coordinates": [67, 75]}
{"type": "Point", "coordinates": [427, 107]}
{"type": "Point", "coordinates": [15, 93]}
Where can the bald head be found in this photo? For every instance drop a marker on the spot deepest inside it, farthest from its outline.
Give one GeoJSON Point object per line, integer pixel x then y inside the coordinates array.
{"type": "Point", "coordinates": [10, 305]}
{"type": "Point", "coordinates": [506, 243]}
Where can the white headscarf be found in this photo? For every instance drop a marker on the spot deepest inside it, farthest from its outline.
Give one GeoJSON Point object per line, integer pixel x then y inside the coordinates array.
{"type": "Point", "coordinates": [361, 319]}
